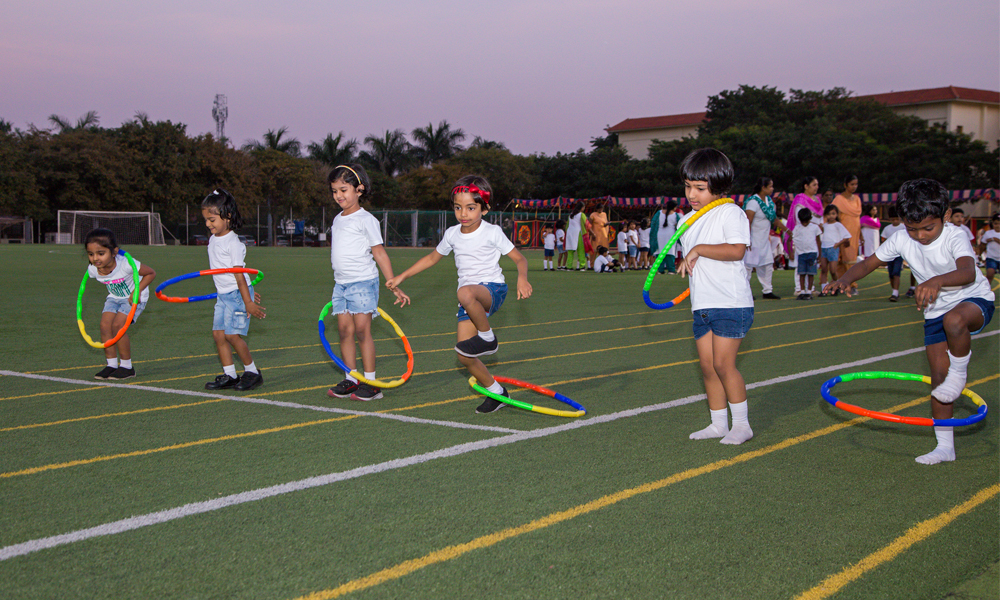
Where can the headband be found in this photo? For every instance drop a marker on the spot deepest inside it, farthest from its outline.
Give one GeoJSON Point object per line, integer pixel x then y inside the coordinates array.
{"type": "Point", "coordinates": [360, 181]}
{"type": "Point", "coordinates": [472, 189]}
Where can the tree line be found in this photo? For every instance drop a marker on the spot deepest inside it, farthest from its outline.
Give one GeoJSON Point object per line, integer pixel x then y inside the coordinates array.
{"type": "Point", "coordinates": [144, 163]}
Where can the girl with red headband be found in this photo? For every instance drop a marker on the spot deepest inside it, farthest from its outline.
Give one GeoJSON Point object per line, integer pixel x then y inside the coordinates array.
{"type": "Point", "coordinates": [482, 289]}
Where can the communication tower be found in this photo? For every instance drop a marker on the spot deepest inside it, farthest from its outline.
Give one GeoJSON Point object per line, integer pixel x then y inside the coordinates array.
{"type": "Point", "coordinates": [220, 112]}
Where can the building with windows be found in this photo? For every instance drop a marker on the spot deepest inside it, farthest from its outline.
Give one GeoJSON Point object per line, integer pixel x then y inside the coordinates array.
{"type": "Point", "coordinates": [973, 112]}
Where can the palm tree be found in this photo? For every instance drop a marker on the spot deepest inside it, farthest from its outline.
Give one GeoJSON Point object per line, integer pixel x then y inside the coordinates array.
{"type": "Point", "coordinates": [485, 144]}
{"type": "Point", "coordinates": [432, 145]}
{"type": "Point", "coordinates": [330, 151]}
{"type": "Point", "coordinates": [390, 153]}
{"type": "Point", "coordinates": [89, 120]}
{"type": "Point", "coordinates": [273, 141]}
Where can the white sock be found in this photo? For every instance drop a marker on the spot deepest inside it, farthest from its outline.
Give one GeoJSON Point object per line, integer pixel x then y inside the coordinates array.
{"type": "Point", "coordinates": [349, 377]}
{"type": "Point", "coordinates": [113, 363]}
{"type": "Point", "coordinates": [229, 370]}
{"type": "Point", "coordinates": [126, 363]}
{"type": "Point", "coordinates": [952, 386]}
{"type": "Point", "coordinates": [741, 431]}
{"type": "Point", "coordinates": [912, 289]}
{"type": "Point", "coordinates": [945, 451]}
{"type": "Point", "coordinates": [718, 428]}
{"type": "Point", "coordinates": [496, 388]}
{"type": "Point", "coordinates": [370, 375]}
{"type": "Point", "coordinates": [895, 293]}
{"type": "Point", "coordinates": [489, 336]}
{"type": "Point", "coordinates": [251, 368]}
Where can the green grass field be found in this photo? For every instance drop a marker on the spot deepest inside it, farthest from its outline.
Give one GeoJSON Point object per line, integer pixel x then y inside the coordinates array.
{"type": "Point", "coordinates": [158, 489]}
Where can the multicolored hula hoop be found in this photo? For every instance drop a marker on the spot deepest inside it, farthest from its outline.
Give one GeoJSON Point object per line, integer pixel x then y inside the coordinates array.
{"type": "Point", "coordinates": [233, 270]}
{"type": "Point", "coordinates": [131, 312]}
{"type": "Point", "coordinates": [666, 250]}
{"type": "Point", "coordinates": [579, 412]}
{"type": "Point", "coordinates": [353, 373]}
{"type": "Point", "coordinates": [874, 414]}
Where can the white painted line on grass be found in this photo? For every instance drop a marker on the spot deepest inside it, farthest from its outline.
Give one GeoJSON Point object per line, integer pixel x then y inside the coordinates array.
{"type": "Point", "coordinates": [342, 411]}
{"type": "Point", "coordinates": [195, 508]}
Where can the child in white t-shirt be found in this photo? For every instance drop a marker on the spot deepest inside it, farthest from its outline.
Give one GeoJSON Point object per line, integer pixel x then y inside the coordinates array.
{"type": "Point", "coordinates": [958, 220]}
{"type": "Point", "coordinates": [235, 299]}
{"type": "Point", "coordinates": [548, 247]}
{"type": "Point", "coordinates": [644, 231]}
{"type": "Point", "coordinates": [834, 237]}
{"type": "Point", "coordinates": [952, 292]}
{"type": "Point", "coordinates": [895, 267]}
{"type": "Point", "coordinates": [482, 289]}
{"type": "Point", "coordinates": [990, 243]}
{"type": "Point", "coordinates": [721, 301]}
{"type": "Point", "coordinates": [805, 248]}
{"type": "Point", "coordinates": [560, 245]}
{"type": "Point", "coordinates": [622, 239]}
{"type": "Point", "coordinates": [356, 254]}
{"type": "Point", "coordinates": [603, 263]}
{"type": "Point", "coordinates": [633, 245]}
{"type": "Point", "coordinates": [109, 266]}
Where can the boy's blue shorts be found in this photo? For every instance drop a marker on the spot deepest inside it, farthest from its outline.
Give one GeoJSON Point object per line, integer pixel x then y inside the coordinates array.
{"type": "Point", "coordinates": [934, 328]}
{"type": "Point", "coordinates": [806, 264]}
{"type": "Point", "coordinates": [992, 263]}
{"type": "Point", "coordinates": [498, 293]}
{"type": "Point", "coordinates": [896, 267]}
{"type": "Point", "coordinates": [549, 253]}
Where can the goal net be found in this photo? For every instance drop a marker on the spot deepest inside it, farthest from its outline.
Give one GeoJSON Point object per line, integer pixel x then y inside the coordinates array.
{"type": "Point", "coordinates": [131, 228]}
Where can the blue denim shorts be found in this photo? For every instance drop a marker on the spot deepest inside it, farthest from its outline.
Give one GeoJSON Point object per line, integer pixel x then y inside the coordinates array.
{"type": "Point", "coordinates": [723, 322]}
{"type": "Point", "coordinates": [992, 263]}
{"type": "Point", "coordinates": [896, 267]}
{"type": "Point", "coordinates": [560, 248]}
{"type": "Point", "coordinates": [806, 264]}
{"type": "Point", "coordinates": [934, 328]}
{"type": "Point", "coordinates": [831, 254]}
{"type": "Point", "coordinates": [633, 251]}
{"type": "Point", "coordinates": [123, 305]}
{"type": "Point", "coordinates": [231, 314]}
{"type": "Point", "coordinates": [359, 297]}
{"type": "Point", "coordinates": [498, 292]}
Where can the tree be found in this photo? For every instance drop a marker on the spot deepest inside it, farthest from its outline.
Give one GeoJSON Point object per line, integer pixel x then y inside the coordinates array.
{"type": "Point", "coordinates": [87, 121]}
{"type": "Point", "coordinates": [431, 145]}
{"type": "Point", "coordinates": [485, 144]}
{"type": "Point", "coordinates": [273, 141]}
{"type": "Point", "coordinates": [331, 152]}
{"type": "Point", "coordinates": [390, 153]}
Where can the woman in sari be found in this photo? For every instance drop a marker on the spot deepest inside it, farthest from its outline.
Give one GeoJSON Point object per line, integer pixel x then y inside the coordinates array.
{"type": "Point", "coordinates": [598, 230]}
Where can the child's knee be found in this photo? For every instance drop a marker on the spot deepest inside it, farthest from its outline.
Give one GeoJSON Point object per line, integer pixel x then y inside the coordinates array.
{"type": "Point", "coordinates": [219, 336]}
{"type": "Point", "coordinates": [955, 324]}
{"type": "Point", "coordinates": [233, 338]}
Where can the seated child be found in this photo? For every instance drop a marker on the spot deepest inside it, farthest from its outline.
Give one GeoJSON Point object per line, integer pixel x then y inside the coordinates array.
{"type": "Point", "coordinates": [604, 263]}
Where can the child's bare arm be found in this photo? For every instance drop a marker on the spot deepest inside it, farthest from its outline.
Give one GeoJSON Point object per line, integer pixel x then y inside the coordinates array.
{"type": "Point", "coordinates": [147, 274]}
{"type": "Point", "coordinates": [385, 265]}
{"type": "Point", "coordinates": [523, 287]}
{"type": "Point", "coordinates": [858, 271]}
{"type": "Point", "coordinates": [428, 261]}
{"type": "Point", "coordinates": [251, 306]}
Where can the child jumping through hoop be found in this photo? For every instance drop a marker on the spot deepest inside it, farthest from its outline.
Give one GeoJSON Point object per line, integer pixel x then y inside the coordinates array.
{"type": "Point", "coordinates": [356, 253]}
{"type": "Point", "coordinates": [952, 293]}
{"type": "Point", "coordinates": [721, 300]}
{"type": "Point", "coordinates": [235, 300]}
{"type": "Point", "coordinates": [482, 289]}
{"type": "Point", "coordinates": [107, 267]}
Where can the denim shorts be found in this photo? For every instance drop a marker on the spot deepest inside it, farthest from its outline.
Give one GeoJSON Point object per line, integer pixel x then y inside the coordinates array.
{"type": "Point", "coordinates": [498, 292]}
{"type": "Point", "coordinates": [723, 322]}
{"type": "Point", "coordinates": [358, 297]}
{"type": "Point", "coordinates": [806, 264]}
{"type": "Point", "coordinates": [831, 254]}
{"type": "Point", "coordinates": [633, 251]}
{"type": "Point", "coordinates": [934, 328]}
{"type": "Point", "coordinates": [992, 263]}
{"type": "Point", "coordinates": [896, 267]}
{"type": "Point", "coordinates": [123, 305]}
{"type": "Point", "coordinates": [549, 253]}
{"type": "Point", "coordinates": [560, 249]}
{"type": "Point", "coordinates": [231, 314]}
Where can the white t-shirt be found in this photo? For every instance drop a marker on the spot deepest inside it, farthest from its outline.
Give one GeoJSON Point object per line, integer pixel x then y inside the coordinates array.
{"type": "Point", "coordinates": [890, 230]}
{"type": "Point", "coordinates": [968, 232]}
{"type": "Point", "coordinates": [937, 258]}
{"type": "Point", "coordinates": [226, 252]}
{"type": "Point", "coordinates": [804, 238]}
{"type": "Point", "coordinates": [622, 241]}
{"type": "Point", "coordinates": [992, 250]}
{"type": "Point", "coordinates": [560, 237]}
{"type": "Point", "coordinates": [477, 254]}
{"type": "Point", "coordinates": [718, 283]}
{"type": "Point", "coordinates": [759, 253]}
{"type": "Point", "coordinates": [600, 262]}
{"type": "Point", "coordinates": [833, 233]}
{"type": "Point", "coordinates": [351, 240]}
{"type": "Point", "coordinates": [644, 238]}
{"type": "Point", "coordinates": [549, 241]}
{"type": "Point", "coordinates": [633, 237]}
{"type": "Point", "coordinates": [121, 280]}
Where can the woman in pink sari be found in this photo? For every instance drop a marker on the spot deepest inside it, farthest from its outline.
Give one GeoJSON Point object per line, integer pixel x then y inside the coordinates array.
{"type": "Point", "coordinates": [849, 205]}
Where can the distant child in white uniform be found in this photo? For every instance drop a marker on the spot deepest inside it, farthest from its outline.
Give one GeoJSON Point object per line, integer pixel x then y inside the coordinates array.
{"type": "Point", "coordinates": [644, 231]}
{"type": "Point", "coordinates": [548, 248]}
{"type": "Point", "coordinates": [109, 266]}
{"type": "Point", "coordinates": [356, 254]}
{"type": "Point", "coordinates": [952, 292]}
{"type": "Point", "coordinates": [561, 245]}
{"type": "Point", "coordinates": [603, 263]}
{"type": "Point", "coordinates": [478, 246]}
{"type": "Point", "coordinates": [235, 298]}
{"type": "Point", "coordinates": [633, 245]}
{"type": "Point", "coordinates": [721, 301]}
{"type": "Point", "coordinates": [958, 220]}
{"type": "Point", "coordinates": [834, 237]}
{"type": "Point", "coordinates": [622, 238]}
{"type": "Point", "coordinates": [805, 248]}
{"type": "Point", "coordinates": [990, 243]}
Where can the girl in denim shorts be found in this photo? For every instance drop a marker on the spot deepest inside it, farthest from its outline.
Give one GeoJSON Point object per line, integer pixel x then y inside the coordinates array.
{"type": "Point", "coordinates": [720, 292]}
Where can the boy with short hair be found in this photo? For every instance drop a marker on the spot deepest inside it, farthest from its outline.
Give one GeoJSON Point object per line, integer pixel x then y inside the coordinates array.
{"type": "Point", "coordinates": [622, 246]}
{"type": "Point", "coordinates": [952, 292]}
{"type": "Point", "coordinates": [990, 243]}
{"type": "Point", "coordinates": [895, 267]}
{"type": "Point", "coordinates": [549, 248]}
{"type": "Point", "coordinates": [958, 220]}
{"type": "Point", "coordinates": [806, 245]}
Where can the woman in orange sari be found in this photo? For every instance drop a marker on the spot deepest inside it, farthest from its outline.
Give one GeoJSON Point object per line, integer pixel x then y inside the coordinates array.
{"type": "Point", "coordinates": [599, 229]}
{"type": "Point", "coordinates": [849, 205]}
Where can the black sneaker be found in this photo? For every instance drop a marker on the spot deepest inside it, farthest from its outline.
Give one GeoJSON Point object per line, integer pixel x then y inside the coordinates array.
{"type": "Point", "coordinates": [800, 297]}
{"type": "Point", "coordinates": [490, 405]}
{"type": "Point", "coordinates": [910, 293]}
{"type": "Point", "coordinates": [105, 372]}
{"type": "Point", "coordinates": [477, 346]}
{"type": "Point", "coordinates": [893, 298]}
{"type": "Point", "coordinates": [366, 392]}
{"type": "Point", "coordinates": [771, 296]}
{"type": "Point", "coordinates": [344, 389]}
{"type": "Point", "coordinates": [248, 381]}
{"type": "Point", "coordinates": [222, 382]}
{"type": "Point", "coordinates": [122, 373]}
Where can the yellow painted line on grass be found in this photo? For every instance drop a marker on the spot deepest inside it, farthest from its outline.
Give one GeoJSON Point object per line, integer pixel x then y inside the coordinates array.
{"type": "Point", "coordinates": [918, 533]}
{"type": "Point", "coordinates": [457, 550]}
{"type": "Point", "coordinates": [117, 414]}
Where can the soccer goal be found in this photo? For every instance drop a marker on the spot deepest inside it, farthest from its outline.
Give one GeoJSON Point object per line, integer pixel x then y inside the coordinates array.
{"type": "Point", "coordinates": [142, 228]}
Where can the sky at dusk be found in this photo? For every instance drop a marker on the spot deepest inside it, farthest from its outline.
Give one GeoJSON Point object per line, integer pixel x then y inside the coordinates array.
{"type": "Point", "coordinates": [540, 76]}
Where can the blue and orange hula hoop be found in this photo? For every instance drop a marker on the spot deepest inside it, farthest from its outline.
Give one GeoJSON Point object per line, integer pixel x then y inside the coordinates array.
{"type": "Point", "coordinates": [179, 278]}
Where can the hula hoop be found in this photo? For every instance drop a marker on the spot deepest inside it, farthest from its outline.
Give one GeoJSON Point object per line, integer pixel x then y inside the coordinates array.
{"type": "Point", "coordinates": [131, 312]}
{"type": "Point", "coordinates": [353, 373]}
{"type": "Point", "coordinates": [874, 414]}
{"type": "Point", "coordinates": [579, 412]}
{"type": "Point", "coordinates": [234, 270]}
{"type": "Point", "coordinates": [666, 250]}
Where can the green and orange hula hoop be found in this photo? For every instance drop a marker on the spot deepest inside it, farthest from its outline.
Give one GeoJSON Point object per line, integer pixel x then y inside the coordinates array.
{"type": "Point", "coordinates": [579, 412]}
{"type": "Point", "coordinates": [131, 312]}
